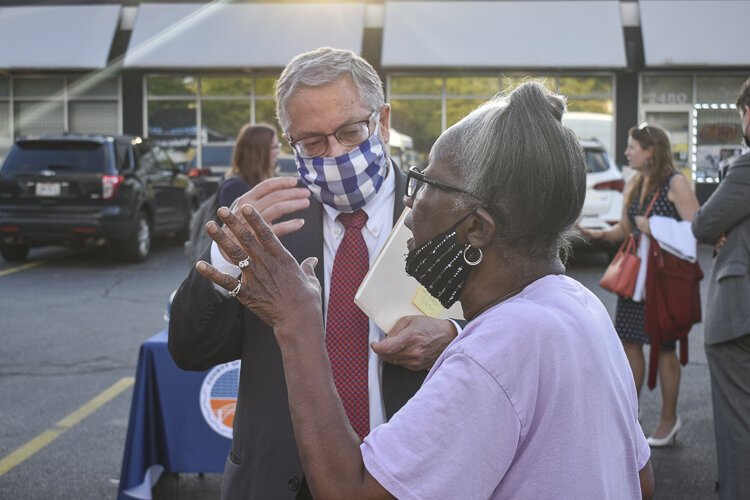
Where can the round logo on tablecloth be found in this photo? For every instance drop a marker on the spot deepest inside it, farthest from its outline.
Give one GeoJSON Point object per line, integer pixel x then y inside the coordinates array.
{"type": "Point", "coordinates": [219, 397]}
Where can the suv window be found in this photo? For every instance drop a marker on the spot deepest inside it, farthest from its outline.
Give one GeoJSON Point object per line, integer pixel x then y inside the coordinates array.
{"type": "Point", "coordinates": [163, 158]}
{"type": "Point", "coordinates": [149, 164]}
{"type": "Point", "coordinates": [35, 156]}
{"type": "Point", "coordinates": [124, 154]}
{"type": "Point", "coordinates": [597, 160]}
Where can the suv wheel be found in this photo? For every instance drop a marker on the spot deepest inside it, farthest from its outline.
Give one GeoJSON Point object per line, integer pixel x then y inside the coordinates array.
{"type": "Point", "coordinates": [14, 252]}
{"type": "Point", "coordinates": [136, 249]}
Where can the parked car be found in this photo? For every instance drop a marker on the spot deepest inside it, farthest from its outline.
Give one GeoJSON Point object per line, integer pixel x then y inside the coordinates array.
{"type": "Point", "coordinates": [287, 166]}
{"type": "Point", "coordinates": [602, 207]}
{"type": "Point", "coordinates": [216, 160]}
{"type": "Point", "coordinates": [91, 190]}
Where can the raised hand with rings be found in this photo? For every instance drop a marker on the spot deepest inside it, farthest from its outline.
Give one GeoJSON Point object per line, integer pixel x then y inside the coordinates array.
{"type": "Point", "coordinates": [271, 277]}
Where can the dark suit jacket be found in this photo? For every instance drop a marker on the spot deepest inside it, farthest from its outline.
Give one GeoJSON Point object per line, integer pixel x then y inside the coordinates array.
{"type": "Point", "coordinates": [727, 211]}
{"type": "Point", "coordinates": [208, 328]}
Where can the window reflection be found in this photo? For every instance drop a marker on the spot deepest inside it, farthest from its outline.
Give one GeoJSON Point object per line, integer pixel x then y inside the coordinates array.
{"type": "Point", "coordinates": [191, 115]}
{"type": "Point", "coordinates": [424, 105]}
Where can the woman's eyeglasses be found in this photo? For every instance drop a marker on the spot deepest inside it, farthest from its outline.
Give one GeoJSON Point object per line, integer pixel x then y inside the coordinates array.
{"type": "Point", "coordinates": [416, 179]}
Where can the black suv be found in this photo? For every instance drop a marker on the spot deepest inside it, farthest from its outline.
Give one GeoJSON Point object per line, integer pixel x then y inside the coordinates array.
{"type": "Point", "coordinates": [91, 189]}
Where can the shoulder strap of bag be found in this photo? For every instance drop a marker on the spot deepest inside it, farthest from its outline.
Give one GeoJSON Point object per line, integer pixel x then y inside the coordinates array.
{"type": "Point", "coordinates": [653, 200]}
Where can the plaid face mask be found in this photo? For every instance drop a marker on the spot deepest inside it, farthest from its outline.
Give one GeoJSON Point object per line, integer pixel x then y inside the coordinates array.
{"type": "Point", "coordinates": [349, 181]}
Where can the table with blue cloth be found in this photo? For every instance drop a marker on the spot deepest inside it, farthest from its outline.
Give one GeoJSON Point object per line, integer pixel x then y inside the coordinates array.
{"type": "Point", "coordinates": [167, 430]}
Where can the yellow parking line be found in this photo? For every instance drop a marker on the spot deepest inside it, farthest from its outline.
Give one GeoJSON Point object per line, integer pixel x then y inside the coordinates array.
{"type": "Point", "coordinates": [27, 450]}
{"type": "Point", "coordinates": [22, 267]}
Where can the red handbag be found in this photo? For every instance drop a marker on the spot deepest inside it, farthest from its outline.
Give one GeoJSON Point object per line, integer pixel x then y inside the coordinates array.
{"type": "Point", "coordinates": [622, 272]}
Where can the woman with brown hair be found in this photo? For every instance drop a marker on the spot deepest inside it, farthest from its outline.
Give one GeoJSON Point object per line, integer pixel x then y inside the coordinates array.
{"type": "Point", "coordinates": [253, 160]}
{"type": "Point", "coordinates": [650, 155]}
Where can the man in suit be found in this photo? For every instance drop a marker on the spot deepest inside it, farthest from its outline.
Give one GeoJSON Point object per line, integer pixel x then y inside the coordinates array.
{"type": "Point", "coordinates": [724, 221]}
{"type": "Point", "coordinates": [331, 107]}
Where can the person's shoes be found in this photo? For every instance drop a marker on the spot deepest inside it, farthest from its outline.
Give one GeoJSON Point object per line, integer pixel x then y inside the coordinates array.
{"type": "Point", "coordinates": [668, 440]}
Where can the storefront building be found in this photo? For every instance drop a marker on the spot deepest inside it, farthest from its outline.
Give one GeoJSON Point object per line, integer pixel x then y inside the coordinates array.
{"type": "Point", "coordinates": [190, 74]}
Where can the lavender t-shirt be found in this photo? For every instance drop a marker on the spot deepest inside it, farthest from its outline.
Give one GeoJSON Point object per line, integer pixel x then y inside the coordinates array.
{"type": "Point", "coordinates": [534, 399]}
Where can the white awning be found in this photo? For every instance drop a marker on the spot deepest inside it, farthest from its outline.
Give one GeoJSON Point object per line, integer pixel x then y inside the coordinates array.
{"type": "Point", "coordinates": [220, 35]}
{"type": "Point", "coordinates": [57, 37]}
{"type": "Point", "coordinates": [689, 33]}
{"type": "Point", "coordinates": [508, 34]}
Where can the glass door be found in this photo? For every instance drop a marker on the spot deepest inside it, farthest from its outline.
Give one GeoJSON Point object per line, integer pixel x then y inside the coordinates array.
{"type": "Point", "coordinates": [677, 126]}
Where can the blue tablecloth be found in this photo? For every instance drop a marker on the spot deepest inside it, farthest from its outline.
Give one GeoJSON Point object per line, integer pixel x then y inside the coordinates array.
{"type": "Point", "coordinates": [167, 430]}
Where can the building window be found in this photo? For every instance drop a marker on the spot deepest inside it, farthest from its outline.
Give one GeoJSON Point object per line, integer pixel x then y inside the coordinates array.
{"type": "Point", "coordinates": [93, 106]}
{"type": "Point", "coordinates": [58, 104]}
{"type": "Point", "coordinates": [662, 89]}
{"type": "Point", "coordinates": [699, 114]}
{"type": "Point", "coordinates": [718, 88]}
{"type": "Point", "coordinates": [196, 118]}
{"type": "Point", "coordinates": [425, 105]}
{"type": "Point", "coordinates": [716, 132]}
{"type": "Point", "coordinates": [39, 117]}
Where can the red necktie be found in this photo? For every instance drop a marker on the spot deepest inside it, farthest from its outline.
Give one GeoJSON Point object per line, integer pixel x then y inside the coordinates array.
{"type": "Point", "coordinates": [347, 327]}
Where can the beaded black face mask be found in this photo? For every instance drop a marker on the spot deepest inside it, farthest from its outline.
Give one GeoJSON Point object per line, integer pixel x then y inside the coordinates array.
{"type": "Point", "coordinates": [442, 265]}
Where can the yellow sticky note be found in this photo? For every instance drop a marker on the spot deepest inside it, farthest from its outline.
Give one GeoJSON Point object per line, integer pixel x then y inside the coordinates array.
{"type": "Point", "coordinates": [426, 303]}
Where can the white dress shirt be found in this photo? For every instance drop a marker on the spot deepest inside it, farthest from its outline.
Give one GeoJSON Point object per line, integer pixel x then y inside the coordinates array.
{"type": "Point", "coordinates": [379, 223]}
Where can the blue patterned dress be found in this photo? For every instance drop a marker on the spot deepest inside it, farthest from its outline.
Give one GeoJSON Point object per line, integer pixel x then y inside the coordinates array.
{"type": "Point", "coordinates": [629, 315]}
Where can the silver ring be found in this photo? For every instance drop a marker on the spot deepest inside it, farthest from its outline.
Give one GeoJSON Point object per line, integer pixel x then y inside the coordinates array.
{"type": "Point", "coordinates": [243, 263]}
{"type": "Point", "coordinates": [233, 293]}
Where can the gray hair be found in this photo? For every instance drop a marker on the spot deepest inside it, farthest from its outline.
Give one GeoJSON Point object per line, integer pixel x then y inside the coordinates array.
{"type": "Point", "coordinates": [515, 153]}
{"type": "Point", "coordinates": [321, 67]}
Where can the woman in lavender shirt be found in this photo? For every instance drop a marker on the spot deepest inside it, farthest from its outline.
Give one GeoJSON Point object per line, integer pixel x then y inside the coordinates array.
{"type": "Point", "coordinates": [534, 398]}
